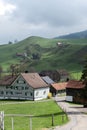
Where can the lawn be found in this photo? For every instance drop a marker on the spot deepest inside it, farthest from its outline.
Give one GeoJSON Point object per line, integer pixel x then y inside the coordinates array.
{"type": "Point", "coordinates": [76, 75]}
{"type": "Point", "coordinates": [42, 112]}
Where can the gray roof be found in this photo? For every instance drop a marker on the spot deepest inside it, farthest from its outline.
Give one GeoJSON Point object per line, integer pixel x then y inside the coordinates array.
{"type": "Point", "coordinates": [48, 80]}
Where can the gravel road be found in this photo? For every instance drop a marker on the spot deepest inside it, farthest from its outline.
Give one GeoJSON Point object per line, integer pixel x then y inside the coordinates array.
{"type": "Point", "coordinates": [78, 120]}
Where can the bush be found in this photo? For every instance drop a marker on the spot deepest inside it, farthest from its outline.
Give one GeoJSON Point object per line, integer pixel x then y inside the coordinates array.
{"type": "Point", "coordinates": [49, 95]}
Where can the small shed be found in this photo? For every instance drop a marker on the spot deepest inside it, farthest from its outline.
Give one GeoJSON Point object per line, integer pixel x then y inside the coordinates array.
{"type": "Point", "coordinates": [58, 88]}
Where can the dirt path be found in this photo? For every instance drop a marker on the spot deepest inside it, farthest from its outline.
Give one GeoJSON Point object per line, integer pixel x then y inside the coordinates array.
{"type": "Point", "coordinates": [78, 120]}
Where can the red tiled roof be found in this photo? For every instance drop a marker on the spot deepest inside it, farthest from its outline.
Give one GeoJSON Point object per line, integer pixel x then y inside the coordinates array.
{"type": "Point", "coordinates": [75, 84]}
{"type": "Point", "coordinates": [59, 86]}
{"type": "Point", "coordinates": [7, 80]}
{"type": "Point", "coordinates": [34, 80]}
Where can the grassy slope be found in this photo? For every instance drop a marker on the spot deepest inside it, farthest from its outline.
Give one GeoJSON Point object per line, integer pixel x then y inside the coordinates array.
{"type": "Point", "coordinates": [52, 56]}
{"type": "Point", "coordinates": [7, 52]}
{"type": "Point", "coordinates": [61, 58]}
{"type": "Point", "coordinates": [33, 108]}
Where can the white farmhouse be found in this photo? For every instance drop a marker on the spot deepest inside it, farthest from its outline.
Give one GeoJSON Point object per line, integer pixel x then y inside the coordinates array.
{"type": "Point", "coordinates": [27, 86]}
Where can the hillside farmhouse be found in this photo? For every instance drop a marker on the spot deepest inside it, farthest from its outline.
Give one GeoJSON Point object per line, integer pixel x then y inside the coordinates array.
{"type": "Point", "coordinates": [58, 88]}
{"type": "Point", "coordinates": [73, 90]}
{"type": "Point", "coordinates": [26, 86]}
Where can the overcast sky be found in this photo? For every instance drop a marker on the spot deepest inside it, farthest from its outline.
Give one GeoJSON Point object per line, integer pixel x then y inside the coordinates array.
{"type": "Point", "coordinates": [20, 19]}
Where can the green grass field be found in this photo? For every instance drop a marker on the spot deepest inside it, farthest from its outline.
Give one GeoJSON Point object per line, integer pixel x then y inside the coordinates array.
{"type": "Point", "coordinates": [41, 110]}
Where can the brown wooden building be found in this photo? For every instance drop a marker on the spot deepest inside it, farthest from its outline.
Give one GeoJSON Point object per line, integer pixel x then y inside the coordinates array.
{"type": "Point", "coordinates": [73, 91]}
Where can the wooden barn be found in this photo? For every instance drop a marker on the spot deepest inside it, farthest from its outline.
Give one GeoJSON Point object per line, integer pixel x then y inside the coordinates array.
{"type": "Point", "coordinates": [73, 91]}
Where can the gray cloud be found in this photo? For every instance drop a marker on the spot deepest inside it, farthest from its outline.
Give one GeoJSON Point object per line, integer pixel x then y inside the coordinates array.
{"type": "Point", "coordinates": [54, 13]}
{"type": "Point", "coordinates": [46, 18]}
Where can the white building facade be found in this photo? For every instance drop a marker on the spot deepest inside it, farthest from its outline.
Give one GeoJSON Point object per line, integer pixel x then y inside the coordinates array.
{"type": "Point", "coordinates": [25, 87]}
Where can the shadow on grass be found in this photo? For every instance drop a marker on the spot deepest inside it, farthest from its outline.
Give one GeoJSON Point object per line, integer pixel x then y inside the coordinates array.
{"type": "Point", "coordinates": [50, 115]}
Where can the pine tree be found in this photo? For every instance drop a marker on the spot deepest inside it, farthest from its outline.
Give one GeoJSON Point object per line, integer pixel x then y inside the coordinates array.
{"type": "Point", "coordinates": [1, 71]}
{"type": "Point", "coordinates": [84, 80]}
{"type": "Point", "coordinates": [84, 74]}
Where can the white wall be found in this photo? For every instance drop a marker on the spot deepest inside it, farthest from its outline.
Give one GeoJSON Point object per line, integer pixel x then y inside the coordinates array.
{"type": "Point", "coordinates": [69, 98]}
{"type": "Point", "coordinates": [41, 93]}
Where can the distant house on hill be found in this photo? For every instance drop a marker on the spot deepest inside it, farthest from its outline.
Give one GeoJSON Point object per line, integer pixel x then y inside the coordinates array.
{"type": "Point", "coordinates": [58, 88]}
{"type": "Point", "coordinates": [59, 44]}
{"type": "Point", "coordinates": [73, 90]}
{"type": "Point", "coordinates": [27, 86]}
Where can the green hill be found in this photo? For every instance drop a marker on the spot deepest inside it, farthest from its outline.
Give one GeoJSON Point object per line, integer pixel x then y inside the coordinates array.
{"type": "Point", "coordinates": [41, 53]}
{"type": "Point", "coordinates": [77, 35]}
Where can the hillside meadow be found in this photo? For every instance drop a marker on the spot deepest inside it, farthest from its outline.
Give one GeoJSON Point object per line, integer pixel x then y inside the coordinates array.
{"type": "Point", "coordinates": [42, 111]}
{"type": "Point", "coordinates": [70, 55]}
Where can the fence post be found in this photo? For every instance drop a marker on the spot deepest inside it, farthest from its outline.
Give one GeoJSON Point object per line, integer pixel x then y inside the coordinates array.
{"type": "Point", "coordinates": [2, 120]}
{"type": "Point", "coordinates": [30, 123]}
{"type": "Point", "coordinates": [62, 118]}
{"type": "Point", "coordinates": [12, 123]}
{"type": "Point", "coordinates": [52, 119]}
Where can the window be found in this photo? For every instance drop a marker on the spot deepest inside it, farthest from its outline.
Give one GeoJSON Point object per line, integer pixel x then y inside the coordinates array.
{"type": "Point", "coordinates": [26, 87]}
{"type": "Point", "coordinates": [31, 93]}
{"type": "Point", "coordinates": [24, 82]}
{"type": "Point", "coordinates": [37, 93]}
{"type": "Point", "coordinates": [44, 92]}
{"type": "Point", "coordinates": [6, 92]}
{"type": "Point", "coordinates": [22, 88]}
{"type": "Point", "coordinates": [18, 93]}
{"type": "Point", "coordinates": [16, 87]}
{"type": "Point", "coordinates": [21, 81]}
{"type": "Point", "coordinates": [1, 92]}
{"type": "Point", "coordinates": [26, 93]}
{"type": "Point", "coordinates": [11, 93]}
{"type": "Point", "coordinates": [11, 87]}
{"type": "Point", "coordinates": [7, 87]}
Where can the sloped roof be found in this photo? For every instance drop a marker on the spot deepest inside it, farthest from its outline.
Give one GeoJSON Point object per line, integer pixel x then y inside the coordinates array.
{"type": "Point", "coordinates": [74, 84]}
{"type": "Point", "coordinates": [47, 79]}
{"type": "Point", "coordinates": [59, 86]}
{"type": "Point", "coordinates": [8, 80]}
{"type": "Point", "coordinates": [34, 80]}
